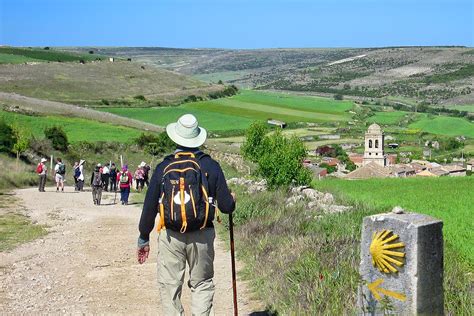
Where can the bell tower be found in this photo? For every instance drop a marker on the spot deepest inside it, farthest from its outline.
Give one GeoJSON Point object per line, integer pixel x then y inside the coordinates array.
{"type": "Point", "coordinates": [374, 142]}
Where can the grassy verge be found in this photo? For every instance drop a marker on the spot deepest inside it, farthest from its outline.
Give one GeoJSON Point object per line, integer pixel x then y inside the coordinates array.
{"type": "Point", "coordinates": [15, 228]}
{"type": "Point", "coordinates": [15, 175]}
{"type": "Point", "coordinates": [304, 262]}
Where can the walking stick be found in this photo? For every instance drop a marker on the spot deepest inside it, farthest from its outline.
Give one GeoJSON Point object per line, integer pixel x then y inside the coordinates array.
{"type": "Point", "coordinates": [232, 258]}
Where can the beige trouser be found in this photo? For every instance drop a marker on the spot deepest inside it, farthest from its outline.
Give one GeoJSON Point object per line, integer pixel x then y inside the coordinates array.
{"type": "Point", "coordinates": [96, 194]}
{"type": "Point", "coordinates": [174, 250]}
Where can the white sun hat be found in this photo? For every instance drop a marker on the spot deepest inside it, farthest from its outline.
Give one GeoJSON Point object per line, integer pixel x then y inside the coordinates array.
{"type": "Point", "coordinates": [186, 132]}
{"type": "Point", "coordinates": [44, 159]}
{"type": "Point", "coordinates": [143, 164]}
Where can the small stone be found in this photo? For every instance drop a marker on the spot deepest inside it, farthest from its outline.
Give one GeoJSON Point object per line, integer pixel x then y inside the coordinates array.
{"type": "Point", "coordinates": [398, 210]}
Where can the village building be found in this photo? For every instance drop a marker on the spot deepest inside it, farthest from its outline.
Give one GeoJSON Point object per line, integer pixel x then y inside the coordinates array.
{"type": "Point", "coordinates": [357, 159]}
{"type": "Point", "coordinates": [330, 161]}
{"type": "Point", "coordinates": [374, 143]}
{"type": "Point", "coordinates": [469, 165]}
{"type": "Point", "coordinates": [318, 172]}
{"type": "Point", "coordinates": [435, 172]}
{"type": "Point", "coordinates": [455, 170]}
{"type": "Point", "coordinates": [402, 171]}
{"type": "Point", "coordinates": [278, 123]}
{"type": "Point", "coordinates": [370, 170]}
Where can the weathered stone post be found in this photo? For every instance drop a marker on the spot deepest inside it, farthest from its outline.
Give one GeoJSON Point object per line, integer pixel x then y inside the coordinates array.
{"type": "Point", "coordinates": [401, 265]}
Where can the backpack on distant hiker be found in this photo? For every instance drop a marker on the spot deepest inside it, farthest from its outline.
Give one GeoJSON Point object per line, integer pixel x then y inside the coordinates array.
{"type": "Point", "coordinates": [185, 204]}
{"type": "Point", "coordinates": [124, 179]}
{"type": "Point", "coordinates": [77, 172]}
{"type": "Point", "coordinates": [62, 169]}
{"type": "Point", "coordinates": [39, 168]}
{"type": "Point", "coordinates": [97, 180]}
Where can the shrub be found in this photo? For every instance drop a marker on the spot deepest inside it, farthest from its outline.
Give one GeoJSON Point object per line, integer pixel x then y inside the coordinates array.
{"type": "Point", "coordinates": [58, 137]}
{"type": "Point", "coordinates": [329, 168]}
{"type": "Point", "coordinates": [105, 102]}
{"type": "Point", "coordinates": [253, 141]}
{"type": "Point", "coordinates": [140, 97]}
{"type": "Point", "coordinates": [155, 144]}
{"type": "Point", "coordinates": [7, 137]}
{"type": "Point", "coordinates": [338, 96]}
{"type": "Point", "coordinates": [279, 158]}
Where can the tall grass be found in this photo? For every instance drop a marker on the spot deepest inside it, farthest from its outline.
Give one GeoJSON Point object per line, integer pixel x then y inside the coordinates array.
{"type": "Point", "coordinates": [306, 263]}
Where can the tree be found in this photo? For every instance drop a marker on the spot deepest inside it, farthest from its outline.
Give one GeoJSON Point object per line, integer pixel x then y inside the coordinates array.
{"type": "Point", "coordinates": [22, 141]}
{"type": "Point", "coordinates": [253, 141]}
{"type": "Point", "coordinates": [278, 158]}
{"type": "Point", "coordinates": [7, 137]}
{"type": "Point", "coordinates": [58, 138]}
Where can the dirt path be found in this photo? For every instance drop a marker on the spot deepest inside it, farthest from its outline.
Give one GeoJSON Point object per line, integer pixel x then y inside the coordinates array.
{"type": "Point", "coordinates": [87, 263]}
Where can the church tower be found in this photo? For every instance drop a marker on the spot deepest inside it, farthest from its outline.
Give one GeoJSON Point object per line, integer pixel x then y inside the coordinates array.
{"type": "Point", "coordinates": [374, 142]}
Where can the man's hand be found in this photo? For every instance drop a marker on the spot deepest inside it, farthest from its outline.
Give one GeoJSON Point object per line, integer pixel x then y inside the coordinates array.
{"type": "Point", "coordinates": [233, 196]}
{"type": "Point", "coordinates": [142, 254]}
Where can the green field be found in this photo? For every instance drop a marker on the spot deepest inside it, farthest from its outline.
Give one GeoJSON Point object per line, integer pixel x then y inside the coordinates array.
{"type": "Point", "coordinates": [445, 125]}
{"type": "Point", "coordinates": [387, 118]}
{"type": "Point", "coordinates": [16, 59]}
{"type": "Point", "coordinates": [14, 55]}
{"type": "Point", "coordinates": [468, 108]}
{"type": "Point", "coordinates": [76, 129]}
{"type": "Point", "coordinates": [238, 112]}
{"type": "Point", "coordinates": [449, 199]}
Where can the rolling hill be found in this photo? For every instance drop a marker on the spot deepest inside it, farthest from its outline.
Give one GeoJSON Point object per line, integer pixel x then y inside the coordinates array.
{"type": "Point", "coordinates": [437, 75]}
{"type": "Point", "coordinates": [99, 83]}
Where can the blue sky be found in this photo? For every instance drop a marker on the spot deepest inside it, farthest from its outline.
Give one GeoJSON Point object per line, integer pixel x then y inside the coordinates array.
{"type": "Point", "coordinates": [236, 23]}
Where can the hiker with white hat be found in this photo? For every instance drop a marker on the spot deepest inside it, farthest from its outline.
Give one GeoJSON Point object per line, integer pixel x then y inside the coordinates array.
{"type": "Point", "coordinates": [183, 192]}
{"type": "Point", "coordinates": [80, 178]}
{"type": "Point", "coordinates": [42, 171]}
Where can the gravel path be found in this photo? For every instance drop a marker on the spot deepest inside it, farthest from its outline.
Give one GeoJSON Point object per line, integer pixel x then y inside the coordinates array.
{"type": "Point", "coordinates": [87, 263]}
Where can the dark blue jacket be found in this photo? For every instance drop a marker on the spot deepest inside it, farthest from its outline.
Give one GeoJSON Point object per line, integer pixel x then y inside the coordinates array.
{"type": "Point", "coordinates": [217, 189]}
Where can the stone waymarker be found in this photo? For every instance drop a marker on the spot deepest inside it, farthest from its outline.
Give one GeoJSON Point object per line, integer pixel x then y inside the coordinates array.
{"type": "Point", "coordinates": [401, 265]}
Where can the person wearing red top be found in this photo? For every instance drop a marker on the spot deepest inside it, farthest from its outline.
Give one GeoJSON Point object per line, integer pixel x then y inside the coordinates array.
{"type": "Point", "coordinates": [125, 180]}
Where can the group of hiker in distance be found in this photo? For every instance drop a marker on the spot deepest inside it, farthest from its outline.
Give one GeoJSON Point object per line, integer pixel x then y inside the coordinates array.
{"type": "Point", "coordinates": [185, 194]}
{"type": "Point", "coordinates": [103, 177]}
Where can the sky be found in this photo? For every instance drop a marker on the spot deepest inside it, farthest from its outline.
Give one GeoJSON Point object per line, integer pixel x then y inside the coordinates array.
{"type": "Point", "coordinates": [237, 23]}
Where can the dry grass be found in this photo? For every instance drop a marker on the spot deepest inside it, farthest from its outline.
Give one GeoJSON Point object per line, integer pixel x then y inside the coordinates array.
{"type": "Point", "coordinates": [92, 82]}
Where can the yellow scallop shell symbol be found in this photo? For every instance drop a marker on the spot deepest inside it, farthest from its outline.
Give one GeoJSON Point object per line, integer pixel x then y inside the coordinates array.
{"type": "Point", "coordinates": [383, 258]}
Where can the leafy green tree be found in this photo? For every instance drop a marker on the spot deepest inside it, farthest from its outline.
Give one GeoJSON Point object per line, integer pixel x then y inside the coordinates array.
{"type": "Point", "coordinates": [7, 137]}
{"type": "Point", "coordinates": [22, 141]}
{"type": "Point", "coordinates": [58, 138]}
{"type": "Point", "coordinates": [279, 159]}
{"type": "Point", "coordinates": [254, 136]}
